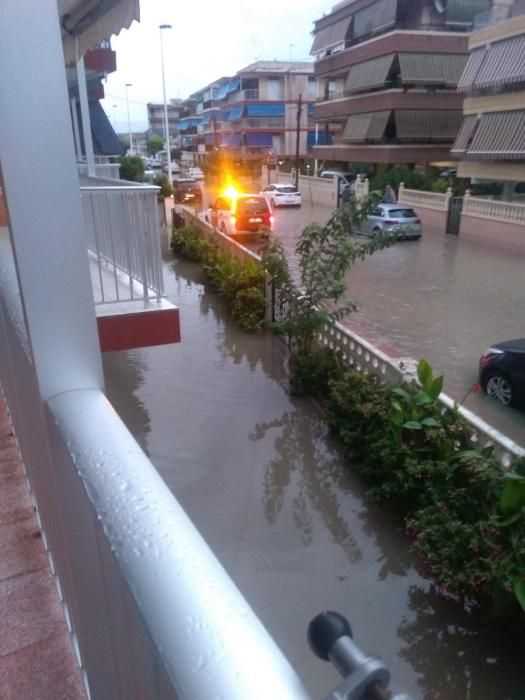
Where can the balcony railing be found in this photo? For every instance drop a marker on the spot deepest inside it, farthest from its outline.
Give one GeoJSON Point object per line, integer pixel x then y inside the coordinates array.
{"type": "Point", "coordinates": [122, 229]}
{"type": "Point", "coordinates": [105, 170]}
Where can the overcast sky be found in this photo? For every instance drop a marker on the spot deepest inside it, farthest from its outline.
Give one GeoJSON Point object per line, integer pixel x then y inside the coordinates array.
{"type": "Point", "coordinates": [209, 39]}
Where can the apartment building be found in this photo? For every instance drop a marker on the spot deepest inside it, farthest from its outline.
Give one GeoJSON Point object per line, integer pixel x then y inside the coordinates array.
{"type": "Point", "coordinates": [156, 117]}
{"type": "Point", "coordinates": [387, 74]}
{"type": "Point", "coordinates": [491, 141]}
{"type": "Point", "coordinates": [255, 111]}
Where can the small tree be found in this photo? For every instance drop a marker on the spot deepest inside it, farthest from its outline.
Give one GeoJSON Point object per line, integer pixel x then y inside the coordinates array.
{"type": "Point", "coordinates": [155, 144]}
{"type": "Point", "coordinates": [166, 189]}
{"type": "Point", "coordinates": [132, 168]}
{"type": "Point", "coordinates": [325, 254]}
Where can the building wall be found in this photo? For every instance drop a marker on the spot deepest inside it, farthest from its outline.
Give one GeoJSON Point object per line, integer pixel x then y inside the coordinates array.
{"type": "Point", "coordinates": [498, 234]}
{"type": "Point", "coordinates": [495, 103]}
{"type": "Point", "coordinates": [492, 170]}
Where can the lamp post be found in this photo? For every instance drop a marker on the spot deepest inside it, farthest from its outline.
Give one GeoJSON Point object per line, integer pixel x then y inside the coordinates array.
{"type": "Point", "coordinates": [128, 85]}
{"type": "Point", "coordinates": [166, 123]}
{"type": "Point", "coordinates": [115, 118]}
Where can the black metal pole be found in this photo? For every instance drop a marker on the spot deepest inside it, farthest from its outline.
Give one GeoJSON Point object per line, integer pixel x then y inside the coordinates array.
{"type": "Point", "coordinates": [297, 136]}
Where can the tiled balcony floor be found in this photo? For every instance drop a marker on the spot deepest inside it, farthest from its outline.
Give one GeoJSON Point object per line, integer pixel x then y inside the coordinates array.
{"type": "Point", "coordinates": [37, 661]}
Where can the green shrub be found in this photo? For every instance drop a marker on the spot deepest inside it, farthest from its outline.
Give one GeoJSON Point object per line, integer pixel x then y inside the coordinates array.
{"type": "Point", "coordinates": [313, 371]}
{"type": "Point", "coordinates": [132, 168]}
{"type": "Point", "coordinates": [164, 183]}
{"type": "Point", "coordinates": [240, 282]}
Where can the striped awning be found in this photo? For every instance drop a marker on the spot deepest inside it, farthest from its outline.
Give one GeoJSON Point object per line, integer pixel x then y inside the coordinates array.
{"type": "Point", "coordinates": [465, 134]}
{"type": "Point", "coordinates": [235, 114]}
{"type": "Point", "coordinates": [375, 17]}
{"type": "Point", "coordinates": [461, 13]}
{"type": "Point", "coordinates": [365, 127]}
{"type": "Point", "coordinates": [500, 136]}
{"type": "Point", "coordinates": [431, 68]}
{"type": "Point", "coordinates": [330, 36]}
{"type": "Point", "coordinates": [369, 74]}
{"type": "Point", "coordinates": [474, 63]}
{"type": "Point", "coordinates": [504, 64]}
{"type": "Point", "coordinates": [427, 125]}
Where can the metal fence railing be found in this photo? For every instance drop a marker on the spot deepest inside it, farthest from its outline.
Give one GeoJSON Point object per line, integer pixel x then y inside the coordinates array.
{"type": "Point", "coordinates": [122, 228]}
{"type": "Point", "coordinates": [108, 170]}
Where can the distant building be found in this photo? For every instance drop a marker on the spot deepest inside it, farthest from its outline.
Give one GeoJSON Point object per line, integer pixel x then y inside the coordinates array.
{"type": "Point", "coordinates": [387, 73]}
{"type": "Point", "coordinates": [156, 117]}
{"type": "Point", "coordinates": [491, 142]}
{"type": "Point", "coordinates": [255, 111]}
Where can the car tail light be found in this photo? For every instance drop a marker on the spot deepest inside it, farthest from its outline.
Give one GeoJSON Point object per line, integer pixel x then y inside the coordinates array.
{"type": "Point", "coordinates": [391, 223]}
{"type": "Point", "coordinates": [489, 354]}
{"type": "Point", "coordinates": [417, 221]}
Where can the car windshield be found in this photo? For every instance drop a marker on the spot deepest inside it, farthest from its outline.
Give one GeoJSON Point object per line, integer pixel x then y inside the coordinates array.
{"type": "Point", "coordinates": [288, 189]}
{"type": "Point", "coordinates": [252, 205]}
{"type": "Point", "coordinates": [402, 214]}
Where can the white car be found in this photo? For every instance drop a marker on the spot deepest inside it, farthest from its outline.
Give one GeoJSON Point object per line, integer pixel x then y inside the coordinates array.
{"type": "Point", "coordinates": [281, 195]}
{"type": "Point", "coordinates": [241, 215]}
{"type": "Point", "coordinates": [196, 173]}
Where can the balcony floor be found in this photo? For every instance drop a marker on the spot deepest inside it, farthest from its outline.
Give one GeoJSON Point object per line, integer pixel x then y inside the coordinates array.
{"type": "Point", "coordinates": [37, 661]}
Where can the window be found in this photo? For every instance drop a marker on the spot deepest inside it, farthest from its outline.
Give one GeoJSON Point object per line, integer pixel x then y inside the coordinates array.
{"type": "Point", "coordinates": [402, 214]}
{"type": "Point", "coordinates": [377, 212]}
{"type": "Point", "coordinates": [252, 206]}
{"type": "Point", "coordinates": [312, 87]}
{"type": "Point", "coordinates": [274, 88]}
{"type": "Point", "coordinates": [270, 188]}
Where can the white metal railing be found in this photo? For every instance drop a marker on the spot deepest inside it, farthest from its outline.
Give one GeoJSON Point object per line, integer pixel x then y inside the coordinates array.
{"type": "Point", "coordinates": [172, 621]}
{"type": "Point", "coordinates": [122, 228]}
{"type": "Point", "coordinates": [493, 209]}
{"type": "Point", "coordinates": [423, 198]}
{"type": "Point", "coordinates": [106, 170]}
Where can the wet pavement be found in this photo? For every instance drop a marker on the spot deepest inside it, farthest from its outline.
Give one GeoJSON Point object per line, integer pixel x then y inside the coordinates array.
{"type": "Point", "coordinates": [265, 485]}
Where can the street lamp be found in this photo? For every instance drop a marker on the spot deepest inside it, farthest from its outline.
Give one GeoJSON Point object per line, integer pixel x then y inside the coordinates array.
{"type": "Point", "coordinates": [115, 118]}
{"type": "Point", "coordinates": [166, 124]}
{"type": "Point", "coordinates": [128, 85]}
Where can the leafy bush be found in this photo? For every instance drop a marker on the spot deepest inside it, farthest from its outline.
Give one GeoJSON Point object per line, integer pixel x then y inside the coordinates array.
{"type": "Point", "coordinates": [164, 183]}
{"type": "Point", "coordinates": [313, 371]}
{"type": "Point", "coordinates": [132, 168]}
{"type": "Point", "coordinates": [396, 174]}
{"type": "Point", "coordinates": [466, 515]}
{"type": "Point", "coordinates": [241, 283]}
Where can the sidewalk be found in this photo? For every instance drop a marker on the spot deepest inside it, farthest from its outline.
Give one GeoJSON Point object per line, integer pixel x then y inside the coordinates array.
{"type": "Point", "coordinates": [37, 661]}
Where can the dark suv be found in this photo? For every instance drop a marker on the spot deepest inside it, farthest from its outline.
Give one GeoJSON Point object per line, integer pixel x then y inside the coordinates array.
{"type": "Point", "coordinates": [502, 372]}
{"type": "Point", "coordinates": [186, 191]}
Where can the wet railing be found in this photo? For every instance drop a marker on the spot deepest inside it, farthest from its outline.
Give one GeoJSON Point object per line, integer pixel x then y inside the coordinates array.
{"type": "Point", "coordinates": [122, 228]}
{"type": "Point", "coordinates": [493, 209]}
{"type": "Point", "coordinates": [423, 198]}
{"type": "Point", "coordinates": [106, 170]}
{"type": "Point", "coordinates": [150, 610]}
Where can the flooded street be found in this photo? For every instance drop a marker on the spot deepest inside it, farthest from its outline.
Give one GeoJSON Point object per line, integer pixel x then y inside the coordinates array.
{"type": "Point", "coordinates": [267, 488]}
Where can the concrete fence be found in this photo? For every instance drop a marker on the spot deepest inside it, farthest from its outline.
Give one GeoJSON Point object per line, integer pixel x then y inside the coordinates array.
{"type": "Point", "coordinates": [314, 190]}
{"type": "Point", "coordinates": [431, 207]}
{"type": "Point", "coordinates": [494, 222]}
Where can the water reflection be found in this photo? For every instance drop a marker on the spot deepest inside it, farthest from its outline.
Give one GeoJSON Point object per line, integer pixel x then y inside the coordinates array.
{"type": "Point", "coordinates": [305, 463]}
{"type": "Point", "coordinates": [124, 374]}
{"type": "Point", "coordinates": [476, 659]}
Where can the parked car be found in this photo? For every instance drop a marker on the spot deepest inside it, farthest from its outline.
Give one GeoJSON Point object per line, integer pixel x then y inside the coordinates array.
{"type": "Point", "coordinates": [502, 372]}
{"type": "Point", "coordinates": [175, 168]}
{"type": "Point", "coordinates": [345, 181]}
{"type": "Point", "coordinates": [186, 190]}
{"type": "Point", "coordinates": [394, 219]}
{"type": "Point", "coordinates": [243, 214]}
{"type": "Point", "coordinates": [281, 195]}
{"type": "Point", "coordinates": [448, 172]}
{"type": "Point", "coordinates": [196, 173]}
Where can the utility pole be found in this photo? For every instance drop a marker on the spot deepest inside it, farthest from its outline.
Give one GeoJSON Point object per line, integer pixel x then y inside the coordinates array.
{"type": "Point", "coordinates": [297, 137]}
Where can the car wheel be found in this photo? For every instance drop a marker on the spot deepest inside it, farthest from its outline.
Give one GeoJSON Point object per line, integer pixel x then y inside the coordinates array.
{"type": "Point", "coordinates": [498, 387]}
{"type": "Point", "coordinates": [376, 231]}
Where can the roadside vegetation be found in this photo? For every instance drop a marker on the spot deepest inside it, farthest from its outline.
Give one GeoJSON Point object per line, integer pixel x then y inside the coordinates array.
{"type": "Point", "coordinates": [464, 512]}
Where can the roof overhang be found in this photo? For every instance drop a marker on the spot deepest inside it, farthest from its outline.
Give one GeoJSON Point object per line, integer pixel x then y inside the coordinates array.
{"type": "Point", "coordinates": [90, 22]}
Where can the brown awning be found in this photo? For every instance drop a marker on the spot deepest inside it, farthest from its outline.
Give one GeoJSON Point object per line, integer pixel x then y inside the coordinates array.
{"type": "Point", "coordinates": [375, 17]}
{"type": "Point", "coordinates": [500, 136]}
{"type": "Point", "coordinates": [331, 36]}
{"type": "Point", "coordinates": [431, 125]}
{"type": "Point", "coordinates": [431, 68]}
{"type": "Point", "coordinates": [365, 127]}
{"type": "Point", "coordinates": [474, 63]}
{"type": "Point", "coordinates": [370, 74]}
{"type": "Point", "coordinates": [465, 134]}
{"type": "Point", "coordinates": [504, 64]}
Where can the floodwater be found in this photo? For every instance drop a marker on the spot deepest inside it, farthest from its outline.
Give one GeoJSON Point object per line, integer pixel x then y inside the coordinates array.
{"type": "Point", "coordinates": [443, 298]}
{"type": "Point", "coordinates": [267, 488]}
